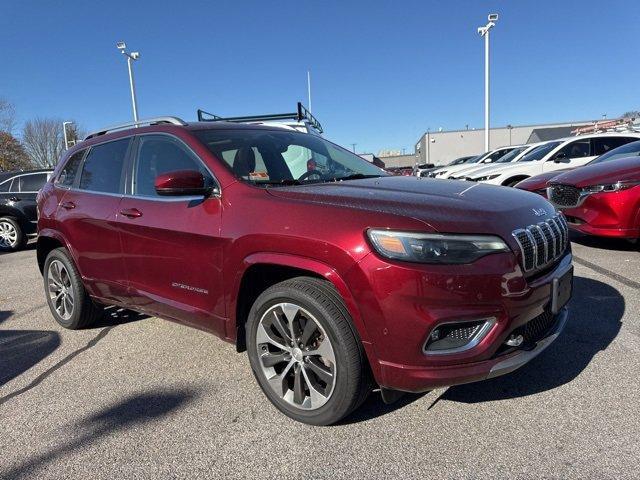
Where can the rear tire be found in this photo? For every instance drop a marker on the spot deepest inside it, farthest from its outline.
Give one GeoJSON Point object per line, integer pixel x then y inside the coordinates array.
{"type": "Point", "coordinates": [12, 238]}
{"type": "Point", "coordinates": [305, 353]}
{"type": "Point", "coordinates": [68, 300]}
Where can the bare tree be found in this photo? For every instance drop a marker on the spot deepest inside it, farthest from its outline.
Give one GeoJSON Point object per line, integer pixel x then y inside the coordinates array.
{"type": "Point", "coordinates": [43, 140]}
{"type": "Point", "coordinates": [7, 116]}
{"type": "Point", "coordinates": [12, 154]}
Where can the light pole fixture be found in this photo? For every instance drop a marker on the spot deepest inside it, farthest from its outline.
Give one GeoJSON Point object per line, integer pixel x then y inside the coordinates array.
{"type": "Point", "coordinates": [484, 32]}
{"type": "Point", "coordinates": [130, 58]}
{"type": "Point", "coordinates": [64, 134]}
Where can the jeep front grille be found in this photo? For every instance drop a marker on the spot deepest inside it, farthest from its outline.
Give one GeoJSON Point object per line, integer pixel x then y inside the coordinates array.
{"type": "Point", "coordinates": [543, 243]}
{"type": "Point", "coordinates": [564, 196]}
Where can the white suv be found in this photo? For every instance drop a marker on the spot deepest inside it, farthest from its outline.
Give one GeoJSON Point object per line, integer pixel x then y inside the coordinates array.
{"type": "Point", "coordinates": [488, 157]}
{"type": "Point", "coordinates": [560, 154]}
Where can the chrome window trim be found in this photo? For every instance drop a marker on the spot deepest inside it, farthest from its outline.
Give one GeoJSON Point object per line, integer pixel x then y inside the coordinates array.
{"type": "Point", "coordinates": [185, 198]}
{"type": "Point", "coordinates": [489, 322]}
{"type": "Point", "coordinates": [217, 189]}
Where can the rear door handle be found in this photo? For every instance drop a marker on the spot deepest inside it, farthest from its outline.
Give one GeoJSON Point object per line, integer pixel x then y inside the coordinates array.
{"type": "Point", "coordinates": [131, 213]}
{"type": "Point", "coordinates": [68, 205]}
{"type": "Point", "coordinates": [15, 199]}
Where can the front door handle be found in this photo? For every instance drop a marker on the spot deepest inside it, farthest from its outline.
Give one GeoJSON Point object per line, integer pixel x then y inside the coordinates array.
{"type": "Point", "coordinates": [131, 213]}
{"type": "Point", "coordinates": [15, 199]}
{"type": "Point", "coordinates": [68, 205]}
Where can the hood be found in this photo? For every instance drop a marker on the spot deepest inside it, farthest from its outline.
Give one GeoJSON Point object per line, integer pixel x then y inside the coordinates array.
{"type": "Point", "coordinates": [444, 205]}
{"type": "Point", "coordinates": [620, 170]}
{"type": "Point", "coordinates": [539, 182]}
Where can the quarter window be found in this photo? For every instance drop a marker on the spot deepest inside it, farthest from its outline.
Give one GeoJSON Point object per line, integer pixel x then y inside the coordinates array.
{"type": "Point", "coordinates": [32, 183]}
{"type": "Point", "coordinates": [102, 169]}
{"type": "Point", "coordinates": [158, 154]}
{"type": "Point", "coordinates": [4, 187]}
{"type": "Point", "coordinates": [67, 176]}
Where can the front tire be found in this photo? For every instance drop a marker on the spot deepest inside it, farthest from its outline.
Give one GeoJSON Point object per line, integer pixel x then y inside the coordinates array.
{"type": "Point", "coordinates": [68, 300]}
{"type": "Point", "coordinates": [12, 238]}
{"type": "Point", "coordinates": [304, 352]}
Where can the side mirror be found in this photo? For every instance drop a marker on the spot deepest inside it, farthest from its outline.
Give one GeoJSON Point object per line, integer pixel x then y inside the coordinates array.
{"type": "Point", "coordinates": [561, 157]}
{"type": "Point", "coordinates": [182, 183]}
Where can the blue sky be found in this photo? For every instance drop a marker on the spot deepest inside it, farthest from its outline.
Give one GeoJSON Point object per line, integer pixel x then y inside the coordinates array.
{"type": "Point", "coordinates": [382, 71]}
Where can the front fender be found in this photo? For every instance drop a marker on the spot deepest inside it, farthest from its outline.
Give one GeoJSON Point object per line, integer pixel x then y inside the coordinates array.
{"type": "Point", "coordinates": [301, 263]}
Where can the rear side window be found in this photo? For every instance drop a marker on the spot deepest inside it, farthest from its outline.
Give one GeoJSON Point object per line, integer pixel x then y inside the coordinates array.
{"type": "Point", "coordinates": [32, 183]}
{"type": "Point", "coordinates": [102, 169]}
{"type": "Point", "coordinates": [4, 187]}
{"type": "Point", "coordinates": [604, 144]}
{"type": "Point", "coordinates": [68, 174]}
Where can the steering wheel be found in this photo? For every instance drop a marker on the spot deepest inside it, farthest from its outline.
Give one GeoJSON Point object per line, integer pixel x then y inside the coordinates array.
{"type": "Point", "coordinates": [310, 173]}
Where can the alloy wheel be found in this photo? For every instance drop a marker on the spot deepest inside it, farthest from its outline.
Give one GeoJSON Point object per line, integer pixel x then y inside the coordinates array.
{"type": "Point", "coordinates": [8, 235]}
{"type": "Point", "coordinates": [60, 289]}
{"type": "Point", "coordinates": [296, 356]}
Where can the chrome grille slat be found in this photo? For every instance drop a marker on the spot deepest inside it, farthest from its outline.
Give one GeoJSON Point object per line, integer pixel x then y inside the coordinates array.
{"type": "Point", "coordinates": [543, 243]}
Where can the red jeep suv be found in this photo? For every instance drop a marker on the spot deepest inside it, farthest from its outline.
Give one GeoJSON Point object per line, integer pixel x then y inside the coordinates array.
{"type": "Point", "coordinates": [336, 277]}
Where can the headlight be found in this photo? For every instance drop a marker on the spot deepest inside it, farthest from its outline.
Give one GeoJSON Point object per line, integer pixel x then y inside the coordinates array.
{"type": "Point", "coordinates": [610, 187]}
{"type": "Point", "coordinates": [486, 177]}
{"type": "Point", "coordinates": [434, 247]}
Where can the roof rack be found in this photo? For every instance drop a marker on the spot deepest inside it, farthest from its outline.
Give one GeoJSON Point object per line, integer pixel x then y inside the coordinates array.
{"type": "Point", "coordinates": [139, 123]}
{"type": "Point", "coordinates": [614, 125]}
{"type": "Point", "coordinates": [301, 115]}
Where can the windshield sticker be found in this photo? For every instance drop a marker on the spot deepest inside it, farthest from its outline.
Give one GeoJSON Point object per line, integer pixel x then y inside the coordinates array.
{"type": "Point", "coordinates": [258, 176]}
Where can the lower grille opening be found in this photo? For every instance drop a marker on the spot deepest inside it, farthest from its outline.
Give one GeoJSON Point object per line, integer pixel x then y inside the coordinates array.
{"type": "Point", "coordinates": [532, 332]}
{"type": "Point", "coordinates": [456, 337]}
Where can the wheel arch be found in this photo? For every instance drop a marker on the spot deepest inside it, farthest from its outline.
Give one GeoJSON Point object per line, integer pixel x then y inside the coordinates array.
{"type": "Point", "coordinates": [49, 240]}
{"type": "Point", "coordinates": [261, 270]}
{"type": "Point", "coordinates": [515, 179]}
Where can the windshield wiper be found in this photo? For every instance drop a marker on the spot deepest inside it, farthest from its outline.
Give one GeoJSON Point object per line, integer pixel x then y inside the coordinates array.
{"type": "Point", "coordinates": [355, 176]}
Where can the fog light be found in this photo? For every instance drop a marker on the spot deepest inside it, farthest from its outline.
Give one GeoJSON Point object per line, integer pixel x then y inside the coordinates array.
{"type": "Point", "coordinates": [456, 337]}
{"type": "Point", "coordinates": [515, 340]}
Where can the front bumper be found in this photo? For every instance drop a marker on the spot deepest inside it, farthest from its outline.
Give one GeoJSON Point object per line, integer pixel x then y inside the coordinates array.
{"type": "Point", "coordinates": [412, 379]}
{"type": "Point", "coordinates": [401, 304]}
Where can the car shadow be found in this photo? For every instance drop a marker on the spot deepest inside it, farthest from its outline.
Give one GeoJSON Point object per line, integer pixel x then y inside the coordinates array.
{"type": "Point", "coordinates": [603, 243]}
{"type": "Point", "coordinates": [374, 407]}
{"type": "Point", "coordinates": [113, 316]}
{"type": "Point", "coordinates": [595, 315]}
{"type": "Point", "coordinates": [22, 349]}
{"type": "Point", "coordinates": [127, 414]}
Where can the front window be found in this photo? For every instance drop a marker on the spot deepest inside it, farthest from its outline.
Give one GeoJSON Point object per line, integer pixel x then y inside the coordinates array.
{"type": "Point", "coordinates": [629, 150]}
{"type": "Point", "coordinates": [540, 152]}
{"type": "Point", "coordinates": [268, 157]}
{"type": "Point", "coordinates": [511, 155]}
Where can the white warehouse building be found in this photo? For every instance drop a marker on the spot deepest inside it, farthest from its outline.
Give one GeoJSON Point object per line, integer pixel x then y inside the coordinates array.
{"type": "Point", "coordinates": [441, 147]}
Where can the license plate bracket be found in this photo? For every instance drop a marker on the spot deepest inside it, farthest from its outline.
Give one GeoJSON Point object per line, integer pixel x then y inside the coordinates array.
{"type": "Point", "coordinates": [561, 289]}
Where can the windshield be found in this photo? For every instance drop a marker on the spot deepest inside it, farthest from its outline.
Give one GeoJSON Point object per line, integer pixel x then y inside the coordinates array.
{"type": "Point", "coordinates": [540, 152]}
{"type": "Point", "coordinates": [473, 159]}
{"type": "Point", "coordinates": [270, 157]}
{"type": "Point", "coordinates": [511, 155]}
{"type": "Point", "coordinates": [629, 150]}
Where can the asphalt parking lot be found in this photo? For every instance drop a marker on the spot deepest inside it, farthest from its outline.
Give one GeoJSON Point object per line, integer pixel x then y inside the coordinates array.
{"type": "Point", "coordinates": [144, 398]}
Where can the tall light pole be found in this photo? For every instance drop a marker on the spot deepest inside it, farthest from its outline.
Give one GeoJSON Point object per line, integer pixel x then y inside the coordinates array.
{"type": "Point", "coordinates": [64, 133]}
{"type": "Point", "coordinates": [309, 88]}
{"type": "Point", "coordinates": [484, 32]}
{"type": "Point", "coordinates": [130, 58]}
{"type": "Point", "coordinates": [353, 145]}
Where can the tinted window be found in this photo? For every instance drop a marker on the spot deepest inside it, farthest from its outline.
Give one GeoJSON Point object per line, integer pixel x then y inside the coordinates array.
{"type": "Point", "coordinates": [15, 186]}
{"type": "Point", "coordinates": [540, 152]}
{"type": "Point", "coordinates": [629, 150]}
{"type": "Point", "coordinates": [158, 154]}
{"type": "Point", "coordinates": [511, 155]}
{"type": "Point", "coordinates": [605, 144]}
{"type": "Point", "coordinates": [32, 183]}
{"type": "Point", "coordinates": [497, 154]}
{"type": "Point", "coordinates": [68, 174]}
{"type": "Point", "coordinates": [102, 169]}
{"type": "Point", "coordinates": [577, 149]}
{"type": "Point", "coordinates": [4, 187]}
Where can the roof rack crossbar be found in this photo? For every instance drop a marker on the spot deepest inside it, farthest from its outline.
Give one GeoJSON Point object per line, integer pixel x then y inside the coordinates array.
{"type": "Point", "coordinates": [302, 114]}
{"type": "Point", "coordinates": [139, 123]}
